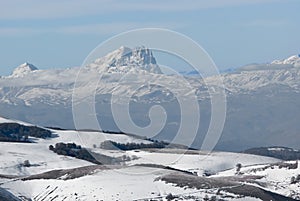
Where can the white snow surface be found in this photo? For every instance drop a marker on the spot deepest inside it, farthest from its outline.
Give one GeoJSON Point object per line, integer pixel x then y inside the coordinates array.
{"type": "Point", "coordinates": [128, 183]}
{"type": "Point", "coordinates": [28, 86]}
{"type": "Point", "coordinates": [13, 154]}
{"type": "Point", "coordinates": [278, 179]}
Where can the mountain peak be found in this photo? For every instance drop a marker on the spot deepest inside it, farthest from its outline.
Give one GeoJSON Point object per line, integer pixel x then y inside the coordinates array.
{"type": "Point", "coordinates": [125, 59]}
{"type": "Point", "coordinates": [280, 64]}
{"type": "Point", "coordinates": [24, 69]}
{"type": "Point", "coordinates": [292, 60]}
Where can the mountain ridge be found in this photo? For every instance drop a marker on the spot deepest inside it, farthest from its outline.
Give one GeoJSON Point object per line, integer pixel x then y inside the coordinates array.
{"type": "Point", "coordinates": [44, 97]}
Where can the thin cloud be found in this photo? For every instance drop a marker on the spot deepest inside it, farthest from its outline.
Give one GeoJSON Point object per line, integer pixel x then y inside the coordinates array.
{"type": "Point", "coordinates": [37, 9]}
{"type": "Point", "coordinates": [16, 31]}
{"type": "Point", "coordinates": [113, 28]}
{"type": "Point", "coordinates": [94, 29]}
{"type": "Point", "coordinates": [267, 23]}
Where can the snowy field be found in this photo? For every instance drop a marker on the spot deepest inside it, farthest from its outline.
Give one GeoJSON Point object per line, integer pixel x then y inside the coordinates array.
{"type": "Point", "coordinates": [135, 179]}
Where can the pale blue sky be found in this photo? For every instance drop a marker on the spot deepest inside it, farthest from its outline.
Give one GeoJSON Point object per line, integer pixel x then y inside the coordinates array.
{"type": "Point", "coordinates": [61, 33]}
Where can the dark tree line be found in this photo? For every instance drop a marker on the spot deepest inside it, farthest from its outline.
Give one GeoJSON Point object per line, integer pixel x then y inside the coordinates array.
{"type": "Point", "coordinates": [73, 150]}
{"type": "Point", "coordinates": [14, 132]}
{"type": "Point", "coordinates": [131, 146]}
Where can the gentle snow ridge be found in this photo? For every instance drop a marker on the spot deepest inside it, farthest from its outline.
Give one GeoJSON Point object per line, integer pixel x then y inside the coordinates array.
{"type": "Point", "coordinates": [293, 60]}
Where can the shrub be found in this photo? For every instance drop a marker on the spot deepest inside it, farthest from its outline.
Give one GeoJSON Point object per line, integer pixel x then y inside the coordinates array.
{"type": "Point", "coordinates": [238, 167]}
{"type": "Point", "coordinates": [170, 197]}
{"type": "Point", "coordinates": [293, 180]}
{"type": "Point", "coordinates": [26, 163]}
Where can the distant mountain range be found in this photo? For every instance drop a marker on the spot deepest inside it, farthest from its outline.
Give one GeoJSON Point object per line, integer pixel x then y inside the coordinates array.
{"type": "Point", "coordinates": [283, 153]}
{"type": "Point", "coordinates": [262, 99]}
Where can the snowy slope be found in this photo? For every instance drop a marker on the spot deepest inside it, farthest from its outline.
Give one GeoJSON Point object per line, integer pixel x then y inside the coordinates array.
{"type": "Point", "coordinates": [274, 177]}
{"type": "Point", "coordinates": [198, 162]}
{"type": "Point", "coordinates": [113, 185]}
{"type": "Point", "coordinates": [14, 154]}
{"type": "Point", "coordinates": [130, 181]}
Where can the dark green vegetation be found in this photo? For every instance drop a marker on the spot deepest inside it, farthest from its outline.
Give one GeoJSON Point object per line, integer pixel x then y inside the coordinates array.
{"type": "Point", "coordinates": [73, 150]}
{"type": "Point", "coordinates": [282, 153]}
{"type": "Point", "coordinates": [76, 151]}
{"type": "Point", "coordinates": [132, 146]}
{"type": "Point", "coordinates": [14, 132]}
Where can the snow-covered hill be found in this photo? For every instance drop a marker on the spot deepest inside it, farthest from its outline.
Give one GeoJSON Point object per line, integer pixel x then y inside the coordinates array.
{"type": "Point", "coordinates": [278, 177]}
{"type": "Point", "coordinates": [144, 175]}
{"type": "Point", "coordinates": [262, 100]}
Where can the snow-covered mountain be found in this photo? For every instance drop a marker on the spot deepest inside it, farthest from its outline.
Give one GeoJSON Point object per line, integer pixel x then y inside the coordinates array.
{"type": "Point", "coordinates": [23, 69]}
{"type": "Point", "coordinates": [262, 101]}
{"type": "Point", "coordinates": [125, 59]}
{"type": "Point", "coordinates": [32, 171]}
{"type": "Point", "coordinates": [293, 60]}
